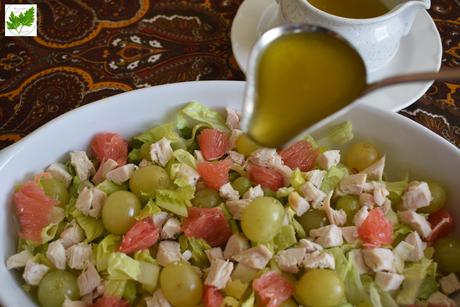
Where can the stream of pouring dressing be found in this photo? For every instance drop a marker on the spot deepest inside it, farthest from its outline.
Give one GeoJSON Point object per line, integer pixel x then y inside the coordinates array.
{"type": "Point", "coordinates": [300, 79]}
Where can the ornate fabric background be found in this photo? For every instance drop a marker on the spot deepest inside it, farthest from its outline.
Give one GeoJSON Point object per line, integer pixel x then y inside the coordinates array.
{"type": "Point", "coordinates": [90, 49]}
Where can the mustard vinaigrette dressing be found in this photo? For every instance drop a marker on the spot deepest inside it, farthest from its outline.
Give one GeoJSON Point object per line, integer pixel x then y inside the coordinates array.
{"type": "Point", "coordinates": [301, 79]}
{"type": "Point", "coordinates": [352, 8]}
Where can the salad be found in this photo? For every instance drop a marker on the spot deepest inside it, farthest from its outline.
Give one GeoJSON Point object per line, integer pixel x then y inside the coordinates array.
{"type": "Point", "coordinates": [193, 213]}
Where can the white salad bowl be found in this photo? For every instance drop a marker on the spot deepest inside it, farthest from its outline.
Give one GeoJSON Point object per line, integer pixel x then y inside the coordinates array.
{"type": "Point", "coordinates": [408, 146]}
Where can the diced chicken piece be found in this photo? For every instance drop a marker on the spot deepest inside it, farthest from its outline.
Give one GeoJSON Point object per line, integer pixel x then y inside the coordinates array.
{"type": "Point", "coordinates": [379, 259]}
{"type": "Point", "coordinates": [161, 152]}
{"type": "Point", "coordinates": [71, 235]}
{"type": "Point", "coordinates": [254, 192]}
{"type": "Point", "coordinates": [367, 200]}
{"type": "Point", "coordinates": [79, 255]}
{"type": "Point", "coordinates": [439, 299]}
{"type": "Point", "coordinates": [310, 246]}
{"type": "Point", "coordinates": [271, 159]}
{"type": "Point", "coordinates": [59, 171]}
{"type": "Point", "coordinates": [316, 177]}
{"type": "Point", "coordinates": [388, 281]}
{"type": "Point", "coordinates": [236, 157]}
{"type": "Point", "coordinates": [70, 303]}
{"type": "Point", "coordinates": [328, 159]}
{"type": "Point", "coordinates": [157, 300]}
{"type": "Point", "coordinates": [449, 284]}
{"type": "Point", "coordinates": [417, 222]}
{"type": "Point", "coordinates": [360, 216]}
{"type": "Point", "coordinates": [233, 137]}
{"type": "Point", "coordinates": [18, 260]}
{"type": "Point", "coordinates": [328, 236]}
{"type": "Point", "coordinates": [34, 272]}
{"type": "Point", "coordinates": [82, 164]}
{"type": "Point", "coordinates": [319, 260]}
{"type": "Point", "coordinates": [219, 273]}
{"type": "Point", "coordinates": [336, 217]}
{"type": "Point", "coordinates": [187, 255]}
{"type": "Point", "coordinates": [255, 257]}
{"type": "Point", "coordinates": [214, 253]}
{"type": "Point", "coordinates": [160, 218]}
{"type": "Point", "coordinates": [312, 194]}
{"type": "Point", "coordinates": [289, 260]}
{"type": "Point", "coordinates": [235, 245]}
{"type": "Point", "coordinates": [56, 254]}
{"type": "Point", "coordinates": [233, 120]}
{"type": "Point", "coordinates": [90, 201]}
{"type": "Point", "coordinates": [380, 193]}
{"type": "Point", "coordinates": [356, 256]}
{"type": "Point", "coordinates": [227, 191]}
{"type": "Point", "coordinates": [144, 163]}
{"type": "Point", "coordinates": [104, 168]}
{"type": "Point", "coordinates": [375, 170]}
{"type": "Point", "coordinates": [199, 156]}
{"type": "Point", "coordinates": [419, 246]}
{"type": "Point", "coordinates": [350, 233]}
{"type": "Point", "coordinates": [236, 207]}
{"type": "Point", "coordinates": [299, 204]}
{"type": "Point", "coordinates": [353, 184]}
{"type": "Point", "coordinates": [416, 195]}
{"type": "Point", "coordinates": [170, 229]}
{"type": "Point", "coordinates": [121, 174]}
{"type": "Point", "coordinates": [401, 253]}
{"type": "Point", "coordinates": [88, 280]}
{"type": "Point", "coordinates": [188, 173]}
{"type": "Point", "coordinates": [168, 251]}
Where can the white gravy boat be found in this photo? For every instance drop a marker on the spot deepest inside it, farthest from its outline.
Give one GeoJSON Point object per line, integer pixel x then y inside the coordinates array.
{"type": "Point", "coordinates": [376, 39]}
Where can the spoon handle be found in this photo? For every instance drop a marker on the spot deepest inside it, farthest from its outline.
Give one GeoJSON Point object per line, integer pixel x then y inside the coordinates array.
{"type": "Point", "coordinates": [446, 74]}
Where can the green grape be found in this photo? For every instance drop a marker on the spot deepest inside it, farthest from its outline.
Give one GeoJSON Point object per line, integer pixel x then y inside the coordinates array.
{"type": "Point", "coordinates": [55, 189]}
{"type": "Point", "coordinates": [439, 197]}
{"type": "Point", "coordinates": [320, 288]}
{"type": "Point", "coordinates": [262, 219]}
{"type": "Point", "coordinates": [361, 155]}
{"type": "Point", "coordinates": [313, 219]}
{"type": "Point", "coordinates": [446, 254]}
{"type": "Point", "coordinates": [206, 198]}
{"type": "Point", "coordinates": [55, 286]}
{"type": "Point", "coordinates": [180, 284]}
{"type": "Point", "coordinates": [246, 146]}
{"type": "Point", "coordinates": [241, 184]}
{"type": "Point", "coordinates": [119, 211]}
{"type": "Point", "coordinates": [349, 204]}
{"type": "Point", "coordinates": [146, 180]}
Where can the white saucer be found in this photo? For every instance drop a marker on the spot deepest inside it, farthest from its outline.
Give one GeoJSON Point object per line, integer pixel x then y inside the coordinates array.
{"type": "Point", "coordinates": [420, 50]}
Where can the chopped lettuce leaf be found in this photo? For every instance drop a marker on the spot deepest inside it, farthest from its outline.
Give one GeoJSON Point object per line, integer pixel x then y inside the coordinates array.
{"type": "Point", "coordinates": [156, 133]}
{"type": "Point", "coordinates": [42, 259]}
{"type": "Point", "coordinates": [297, 179]}
{"type": "Point", "coordinates": [49, 232]}
{"type": "Point", "coordinates": [130, 291]}
{"type": "Point", "coordinates": [108, 187]}
{"type": "Point", "coordinates": [312, 141]}
{"type": "Point", "coordinates": [299, 230]}
{"type": "Point", "coordinates": [374, 296]}
{"type": "Point", "coordinates": [401, 230]}
{"type": "Point", "coordinates": [104, 249]}
{"type": "Point", "coordinates": [149, 209]}
{"type": "Point", "coordinates": [284, 192]}
{"type": "Point", "coordinates": [93, 228]}
{"type": "Point", "coordinates": [148, 276]}
{"type": "Point", "coordinates": [386, 299]}
{"type": "Point", "coordinates": [285, 237]}
{"type": "Point", "coordinates": [333, 177]}
{"type": "Point", "coordinates": [354, 288]}
{"type": "Point", "coordinates": [175, 201]}
{"type": "Point", "coordinates": [250, 301]}
{"type": "Point", "coordinates": [339, 134]}
{"type": "Point", "coordinates": [185, 157]}
{"type": "Point", "coordinates": [135, 156]}
{"type": "Point", "coordinates": [197, 247]}
{"type": "Point", "coordinates": [145, 256]}
{"type": "Point", "coordinates": [396, 189]}
{"type": "Point", "coordinates": [202, 114]}
{"type": "Point", "coordinates": [230, 301]}
{"type": "Point", "coordinates": [229, 217]}
{"type": "Point", "coordinates": [236, 288]}
{"type": "Point", "coordinates": [429, 284]}
{"type": "Point", "coordinates": [414, 276]}
{"type": "Point", "coordinates": [122, 267]}
{"type": "Point", "coordinates": [342, 265]}
{"type": "Point", "coordinates": [114, 287]}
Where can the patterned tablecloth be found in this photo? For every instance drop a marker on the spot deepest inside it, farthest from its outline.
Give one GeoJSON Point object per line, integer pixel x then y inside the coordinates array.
{"type": "Point", "coordinates": [90, 49]}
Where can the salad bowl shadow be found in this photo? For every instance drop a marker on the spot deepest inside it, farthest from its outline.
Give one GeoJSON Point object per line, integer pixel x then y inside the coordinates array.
{"type": "Point", "coordinates": [409, 148]}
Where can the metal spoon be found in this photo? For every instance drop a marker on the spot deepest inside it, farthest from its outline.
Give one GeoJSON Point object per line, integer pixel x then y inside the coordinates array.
{"type": "Point", "coordinates": [270, 36]}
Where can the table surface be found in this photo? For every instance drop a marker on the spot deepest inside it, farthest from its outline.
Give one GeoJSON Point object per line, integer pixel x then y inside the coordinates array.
{"type": "Point", "coordinates": [90, 49]}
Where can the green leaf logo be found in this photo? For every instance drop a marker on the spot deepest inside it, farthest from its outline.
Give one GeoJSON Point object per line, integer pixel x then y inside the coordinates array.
{"type": "Point", "coordinates": [17, 22]}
